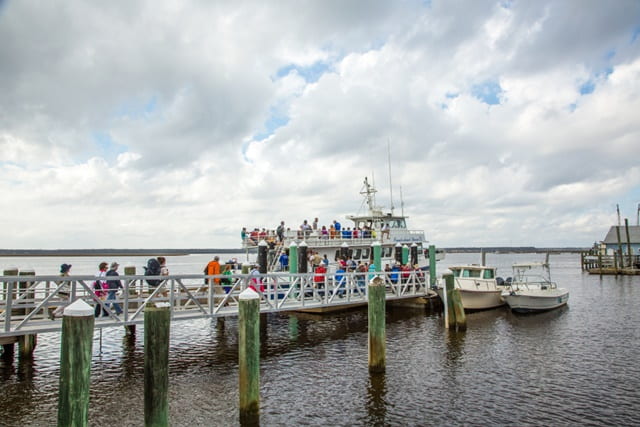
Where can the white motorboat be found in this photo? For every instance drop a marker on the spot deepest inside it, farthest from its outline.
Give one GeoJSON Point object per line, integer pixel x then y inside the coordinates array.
{"type": "Point", "coordinates": [355, 242]}
{"type": "Point", "coordinates": [532, 290]}
{"type": "Point", "coordinates": [479, 287]}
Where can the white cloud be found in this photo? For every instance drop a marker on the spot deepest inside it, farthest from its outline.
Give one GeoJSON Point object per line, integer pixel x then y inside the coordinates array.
{"type": "Point", "coordinates": [133, 124]}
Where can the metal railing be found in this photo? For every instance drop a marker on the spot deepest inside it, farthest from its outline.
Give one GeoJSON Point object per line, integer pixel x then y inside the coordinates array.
{"type": "Point", "coordinates": [316, 239]}
{"type": "Point", "coordinates": [27, 303]}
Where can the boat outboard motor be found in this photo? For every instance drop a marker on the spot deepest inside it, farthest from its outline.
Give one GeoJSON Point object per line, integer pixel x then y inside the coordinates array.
{"type": "Point", "coordinates": [499, 281]}
{"type": "Point", "coordinates": [508, 281]}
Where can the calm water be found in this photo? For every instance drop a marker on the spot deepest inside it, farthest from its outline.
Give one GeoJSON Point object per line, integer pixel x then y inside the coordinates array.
{"type": "Point", "coordinates": [573, 366]}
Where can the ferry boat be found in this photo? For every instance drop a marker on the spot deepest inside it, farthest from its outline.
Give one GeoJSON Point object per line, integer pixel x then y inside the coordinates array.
{"type": "Point", "coordinates": [353, 241]}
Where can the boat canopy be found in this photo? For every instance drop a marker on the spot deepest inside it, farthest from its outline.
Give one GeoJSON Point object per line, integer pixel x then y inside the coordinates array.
{"type": "Point", "coordinates": [529, 265]}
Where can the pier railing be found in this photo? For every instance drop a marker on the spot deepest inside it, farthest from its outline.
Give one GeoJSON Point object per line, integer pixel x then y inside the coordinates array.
{"type": "Point", "coordinates": [315, 238]}
{"type": "Point", "coordinates": [28, 303]}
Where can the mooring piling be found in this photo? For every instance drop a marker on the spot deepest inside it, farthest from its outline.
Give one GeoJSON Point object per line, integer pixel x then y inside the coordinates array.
{"type": "Point", "coordinates": [377, 330]}
{"type": "Point", "coordinates": [454, 311]}
{"type": "Point", "coordinates": [75, 364]}
{"type": "Point", "coordinates": [302, 257]}
{"type": "Point", "coordinates": [293, 258]}
{"type": "Point", "coordinates": [263, 249]}
{"type": "Point", "coordinates": [377, 255]}
{"type": "Point", "coordinates": [249, 356]}
{"type": "Point", "coordinates": [157, 320]}
{"type": "Point", "coordinates": [432, 265]}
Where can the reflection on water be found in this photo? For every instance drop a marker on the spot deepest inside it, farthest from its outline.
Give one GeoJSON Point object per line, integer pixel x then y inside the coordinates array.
{"type": "Point", "coordinates": [572, 366]}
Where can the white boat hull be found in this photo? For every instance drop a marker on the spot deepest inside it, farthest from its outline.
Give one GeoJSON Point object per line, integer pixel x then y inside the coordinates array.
{"type": "Point", "coordinates": [481, 300]}
{"type": "Point", "coordinates": [478, 299]}
{"type": "Point", "coordinates": [532, 300]}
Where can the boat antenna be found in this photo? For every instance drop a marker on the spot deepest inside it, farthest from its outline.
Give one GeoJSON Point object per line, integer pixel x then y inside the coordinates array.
{"type": "Point", "coordinates": [618, 210]}
{"type": "Point", "coordinates": [401, 202]}
{"type": "Point", "coordinates": [369, 192]}
{"type": "Point", "coordinates": [638, 215]}
{"type": "Point", "coordinates": [390, 185]}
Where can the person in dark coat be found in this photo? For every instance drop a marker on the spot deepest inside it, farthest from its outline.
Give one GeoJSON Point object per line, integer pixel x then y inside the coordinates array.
{"type": "Point", "coordinates": [113, 285]}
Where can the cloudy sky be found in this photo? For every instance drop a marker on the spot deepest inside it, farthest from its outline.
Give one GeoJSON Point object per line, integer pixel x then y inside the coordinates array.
{"type": "Point", "coordinates": [174, 124]}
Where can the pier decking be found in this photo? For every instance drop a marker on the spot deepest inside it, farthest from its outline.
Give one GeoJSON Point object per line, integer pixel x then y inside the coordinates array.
{"type": "Point", "coordinates": [27, 302]}
{"type": "Point", "coordinates": [595, 262]}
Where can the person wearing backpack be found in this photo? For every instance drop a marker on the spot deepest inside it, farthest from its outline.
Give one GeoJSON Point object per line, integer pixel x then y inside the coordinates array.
{"type": "Point", "coordinates": [152, 269]}
{"type": "Point", "coordinates": [114, 285]}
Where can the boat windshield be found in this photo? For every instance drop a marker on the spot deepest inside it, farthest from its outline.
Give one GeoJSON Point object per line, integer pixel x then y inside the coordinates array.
{"type": "Point", "coordinates": [486, 273]}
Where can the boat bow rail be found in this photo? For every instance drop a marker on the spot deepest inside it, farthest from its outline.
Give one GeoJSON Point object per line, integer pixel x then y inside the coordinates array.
{"type": "Point", "coordinates": [27, 302]}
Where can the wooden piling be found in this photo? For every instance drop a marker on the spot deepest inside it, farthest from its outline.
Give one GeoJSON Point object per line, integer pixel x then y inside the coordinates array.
{"type": "Point", "coordinates": [397, 254]}
{"type": "Point", "coordinates": [600, 263]}
{"type": "Point", "coordinates": [432, 265]}
{"type": "Point", "coordinates": [130, 270]}
{"type": "Point", "coordinates": [293, 258]}
{"type": "Point", "coordinates": [23, 287]}
{"type": "Point", "coordinates": [302, 257]}
{"type": "Point", "coordinates": [619, 244]}
{"type": "Point", "coordinates": [8, 295]}
{"type": "Point", "coordinates": [629, 251]}
{"type": "Point", "coordinates": [27, 343]}
{"type": "Point", "coordinates": [377, 330]}
{"type": "Point", "coordinates": [377, 255]}
{"type": "Point", "coordinates": [450, 318]}
{"type": "Point", "coordinates": [458, 310]}
{"type": "Point", "coordinates": [75, 364]}
{"type": "Point", "coordinates": [249, 356]}
{"type": "Point", "coordinates": [157, 320]}
{"type": "Point", "coordinates": [414, 254]}
{"type": "Point", "coordinates": [263, 249]}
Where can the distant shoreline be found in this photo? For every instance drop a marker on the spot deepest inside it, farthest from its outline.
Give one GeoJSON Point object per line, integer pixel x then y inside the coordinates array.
{"type": "Point", "coordinates": [111, 252]}
{"type": "Point", "coordinates": [183, 252]}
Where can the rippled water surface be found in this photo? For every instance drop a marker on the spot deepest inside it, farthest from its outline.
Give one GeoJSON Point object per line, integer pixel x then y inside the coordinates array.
{"type": "Point", "coordinates": [574, 366]}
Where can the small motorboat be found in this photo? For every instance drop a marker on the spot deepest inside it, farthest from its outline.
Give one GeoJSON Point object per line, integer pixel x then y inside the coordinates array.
{"type": "Point", "coordinates": [479, 287]}
{"type": "Point", "coordinates": [531, 289]}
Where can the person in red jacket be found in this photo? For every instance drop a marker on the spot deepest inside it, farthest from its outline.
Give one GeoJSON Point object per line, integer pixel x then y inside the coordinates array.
{"type": "Point", "coordinates": [319, 277]}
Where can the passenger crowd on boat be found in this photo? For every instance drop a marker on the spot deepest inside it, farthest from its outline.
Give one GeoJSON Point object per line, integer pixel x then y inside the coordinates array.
{"type": "Point", "coordinates": [334, 231]}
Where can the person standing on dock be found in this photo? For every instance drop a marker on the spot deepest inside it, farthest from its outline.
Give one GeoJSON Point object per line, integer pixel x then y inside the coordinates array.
{"type": "Point", "coordinates": [64, 292]}
{"type": "Point", "coordinates": [280, 231]}
{"type": "Point", "coordinates": [99, 287]}
{"type": "Point", "coordinates": [284, 261]}
{"type": "Point", "coordinates": [114, 285]}
{"type": "Point", "coordinates": [213, 268]}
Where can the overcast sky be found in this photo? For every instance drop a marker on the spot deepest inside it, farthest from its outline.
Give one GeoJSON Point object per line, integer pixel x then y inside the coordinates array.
{"type": "Point", "coordinates": [174, 124]}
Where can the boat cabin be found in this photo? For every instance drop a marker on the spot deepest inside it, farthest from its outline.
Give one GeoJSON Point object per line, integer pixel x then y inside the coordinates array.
{"type": "Point", "coordinates": [474, 271]}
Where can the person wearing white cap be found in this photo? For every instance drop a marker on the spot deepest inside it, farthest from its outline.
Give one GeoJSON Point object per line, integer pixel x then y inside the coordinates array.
{"type": "Point", "coordinates": [114, 285]}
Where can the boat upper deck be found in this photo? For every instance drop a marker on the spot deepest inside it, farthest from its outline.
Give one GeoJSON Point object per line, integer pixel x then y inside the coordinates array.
{"type": "Point", "coordinates": [315, 238]}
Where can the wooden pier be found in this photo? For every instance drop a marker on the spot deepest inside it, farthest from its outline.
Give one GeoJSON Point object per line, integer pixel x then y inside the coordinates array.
{"type": "Point", "coordinates": [618, 263]}
{"type": "Point", "coordinates": [27, 303]}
